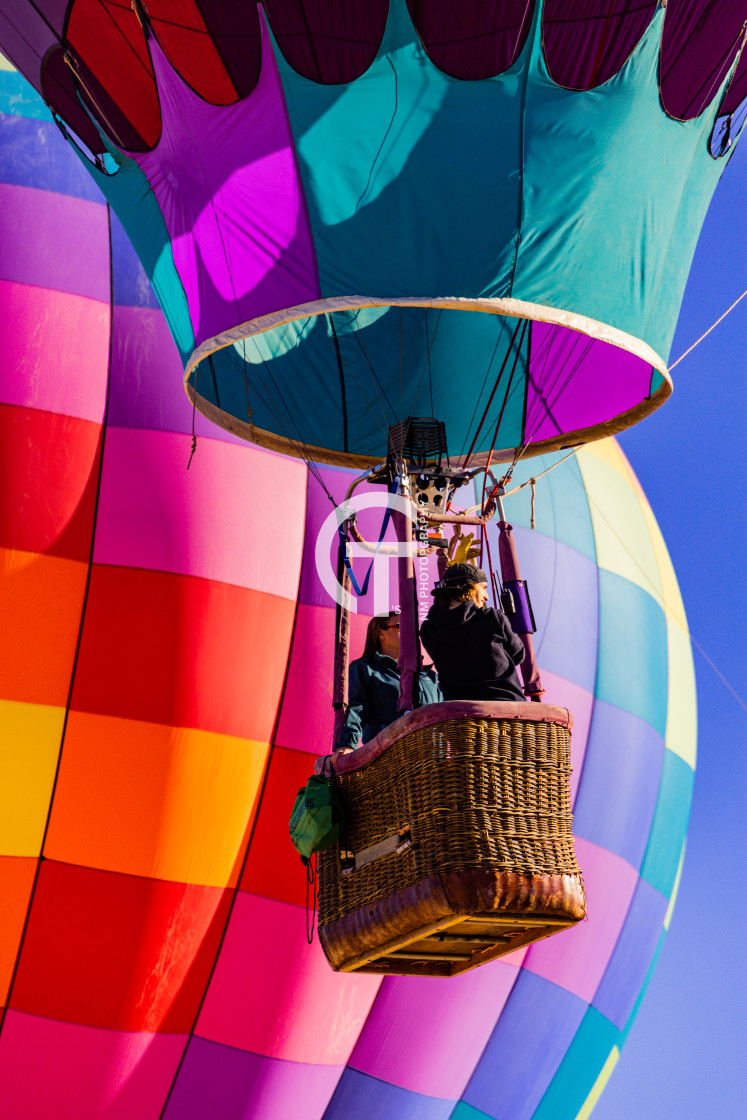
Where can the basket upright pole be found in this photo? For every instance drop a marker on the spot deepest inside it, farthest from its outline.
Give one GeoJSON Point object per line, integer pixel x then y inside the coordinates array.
{"type": "Point", "coordinates": [342, 652]}
{"type": "Point", "coordinates": [409, 641]}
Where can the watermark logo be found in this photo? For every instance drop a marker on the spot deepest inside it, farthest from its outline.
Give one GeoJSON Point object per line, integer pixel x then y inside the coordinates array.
{"type": "Point", "coordinates": [379, 554]}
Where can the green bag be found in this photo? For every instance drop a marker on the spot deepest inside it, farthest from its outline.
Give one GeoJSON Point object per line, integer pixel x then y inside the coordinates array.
{"type": "Point", "coordinates": [317, 816]}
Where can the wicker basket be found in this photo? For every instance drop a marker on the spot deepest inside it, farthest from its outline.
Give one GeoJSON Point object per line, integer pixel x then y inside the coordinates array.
{"type": "Point", "coordinates": [457, 845]}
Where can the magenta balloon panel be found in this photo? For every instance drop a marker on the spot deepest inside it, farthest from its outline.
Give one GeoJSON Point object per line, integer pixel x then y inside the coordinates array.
{"type": "Point", "coordinates": [165, 675]}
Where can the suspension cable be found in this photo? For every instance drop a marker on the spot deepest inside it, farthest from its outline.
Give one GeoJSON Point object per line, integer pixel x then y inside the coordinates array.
{"type": "Point", "coordinates": [504, 363]}
{"type": "Point", "coordinates": [706, 333]}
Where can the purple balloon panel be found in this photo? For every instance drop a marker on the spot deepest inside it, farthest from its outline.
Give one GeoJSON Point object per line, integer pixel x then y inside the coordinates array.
{"type": "Point", "coordinates": [32, 154]}
{"type": "Point", "coordinates": [624, 976]}
{"type": "Point", "coordinates": [525, 1049]}
{"type": "Point", "coordinates": [66, 242]}
{"type": "Point", "coordinates": [620, 783]}
{"type": "Point", "coordinates": [427, 1036]}
{"type": "Point", "coordinates": [218, 1081]}
{"type": "Point", "coordinates": [147, 379]}
{"type": "Point", "coordinates": [577, 958]}
{"type": "Point", "coordinates": [318, 509]}
{"type": "Point", "coordinates": [360, 1097]}
{"type": "Point", "coordinates": [263, 258]}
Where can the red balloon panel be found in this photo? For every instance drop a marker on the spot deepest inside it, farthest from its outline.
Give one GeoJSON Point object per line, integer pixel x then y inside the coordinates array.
{"type": "Point", "coordinates": [273, 868]}
{"type": "Point", "coordinates": [152, 673]}
{"type": "Point", "coordinates": [118, 951]}
{"type": "Point", "coordinates": [50, 467]}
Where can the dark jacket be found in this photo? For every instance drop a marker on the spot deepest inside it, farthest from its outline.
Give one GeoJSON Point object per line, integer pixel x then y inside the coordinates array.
{"type": "Point", "coordinates": [373, 695]}
{"type": "Point", "coordinates": [475, 652]}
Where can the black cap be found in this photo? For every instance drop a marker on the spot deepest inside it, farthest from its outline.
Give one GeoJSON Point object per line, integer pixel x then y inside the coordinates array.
{"type": "Point", "coordinates": [460, 576]}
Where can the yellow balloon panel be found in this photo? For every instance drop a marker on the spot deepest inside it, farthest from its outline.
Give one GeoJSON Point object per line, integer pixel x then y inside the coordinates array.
{"type": "Point", "coordinates": [682, 723]}
{"type": "Point", "coordinates": [621, 532]}
{"type": "Point", "coordinates": [31, 736]}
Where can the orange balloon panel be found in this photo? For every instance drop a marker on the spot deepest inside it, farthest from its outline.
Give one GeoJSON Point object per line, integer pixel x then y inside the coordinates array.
{"type": "Point", "coordinates": [148, 799]}
{"type": "Point", "coordinates": [40, 613]}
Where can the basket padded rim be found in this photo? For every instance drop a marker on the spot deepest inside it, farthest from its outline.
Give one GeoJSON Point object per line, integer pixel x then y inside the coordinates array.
{"type": "Point", "coordinates": [525, 711]}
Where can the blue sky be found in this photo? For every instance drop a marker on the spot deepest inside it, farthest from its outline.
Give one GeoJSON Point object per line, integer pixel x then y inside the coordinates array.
{"type": "Point", "coordinates": [685, 1055]}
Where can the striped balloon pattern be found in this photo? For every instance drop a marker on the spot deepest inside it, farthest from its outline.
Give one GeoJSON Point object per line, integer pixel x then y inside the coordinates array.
{"type": "Point", "coordinates": [165, 673]}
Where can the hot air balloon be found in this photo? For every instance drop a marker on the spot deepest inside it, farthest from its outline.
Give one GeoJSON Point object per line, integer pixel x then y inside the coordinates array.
{"type": "Point", "coordinates": [347, 211]}
{"type": "Point", "coordinates": [166, 650]}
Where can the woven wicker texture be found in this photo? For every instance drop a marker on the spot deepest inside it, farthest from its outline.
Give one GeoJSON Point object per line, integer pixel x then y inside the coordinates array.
{"type": "Point", "coordinates": [476, 793]}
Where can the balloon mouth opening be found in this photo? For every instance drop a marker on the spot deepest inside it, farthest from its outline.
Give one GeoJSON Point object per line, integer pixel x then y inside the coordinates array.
{"type": "Point", "coordinates": [324, 380]}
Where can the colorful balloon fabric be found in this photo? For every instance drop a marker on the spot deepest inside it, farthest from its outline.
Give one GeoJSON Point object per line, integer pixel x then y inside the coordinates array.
{"type": "Point", "coordinates": [166, 665]}
{"type": "Point", "coordinates": [344, 209]}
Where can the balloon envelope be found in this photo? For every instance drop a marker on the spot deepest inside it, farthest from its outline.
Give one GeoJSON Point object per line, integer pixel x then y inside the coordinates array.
{"type": "Point", "coordinates": [166, 659]}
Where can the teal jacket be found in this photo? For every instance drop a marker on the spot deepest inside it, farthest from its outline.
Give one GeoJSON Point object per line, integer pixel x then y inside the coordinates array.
{"type": "Point", "coordinates": [373, 694]}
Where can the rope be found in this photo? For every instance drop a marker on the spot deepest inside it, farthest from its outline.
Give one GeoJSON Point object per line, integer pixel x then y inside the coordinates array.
{"type": "Point", "coordinates": [401, 406]}
{"type": "Point", "coordinates": [377, 383]}
{"type": "Point", "coordinates": [712, 327]}
{"type": "Point", "coordinates": [361, 590]}
{"type": "Point", "coordinates": [715, 668]}
{"type": "Point", "coordinates": [427, 361]}
{"type": "Point", "coordinates": [506, 398]}
{"type": "Point", "coordinates": [304, 452]}
{"type": "Point", "coordinates": [515, 51]}
{"type": "Point", "coordinates": [529, 482]}
{"type": "Point", "coordinates": [484, 383]}
{"type": "Point", "coordinates": [504, 363]}
{"type": "Point", "coordinates": [430, 343]}
{"type": "Point", "coordinates": [194, 433]}
{"type": "Point", "coordinates": [679, 620]}
{"type": "Point", "coordinates": [311, 880]}
{"type": "Point", "coordinates": [384, 138]}
{"type": "Point", "coordinates": [559, 384]}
